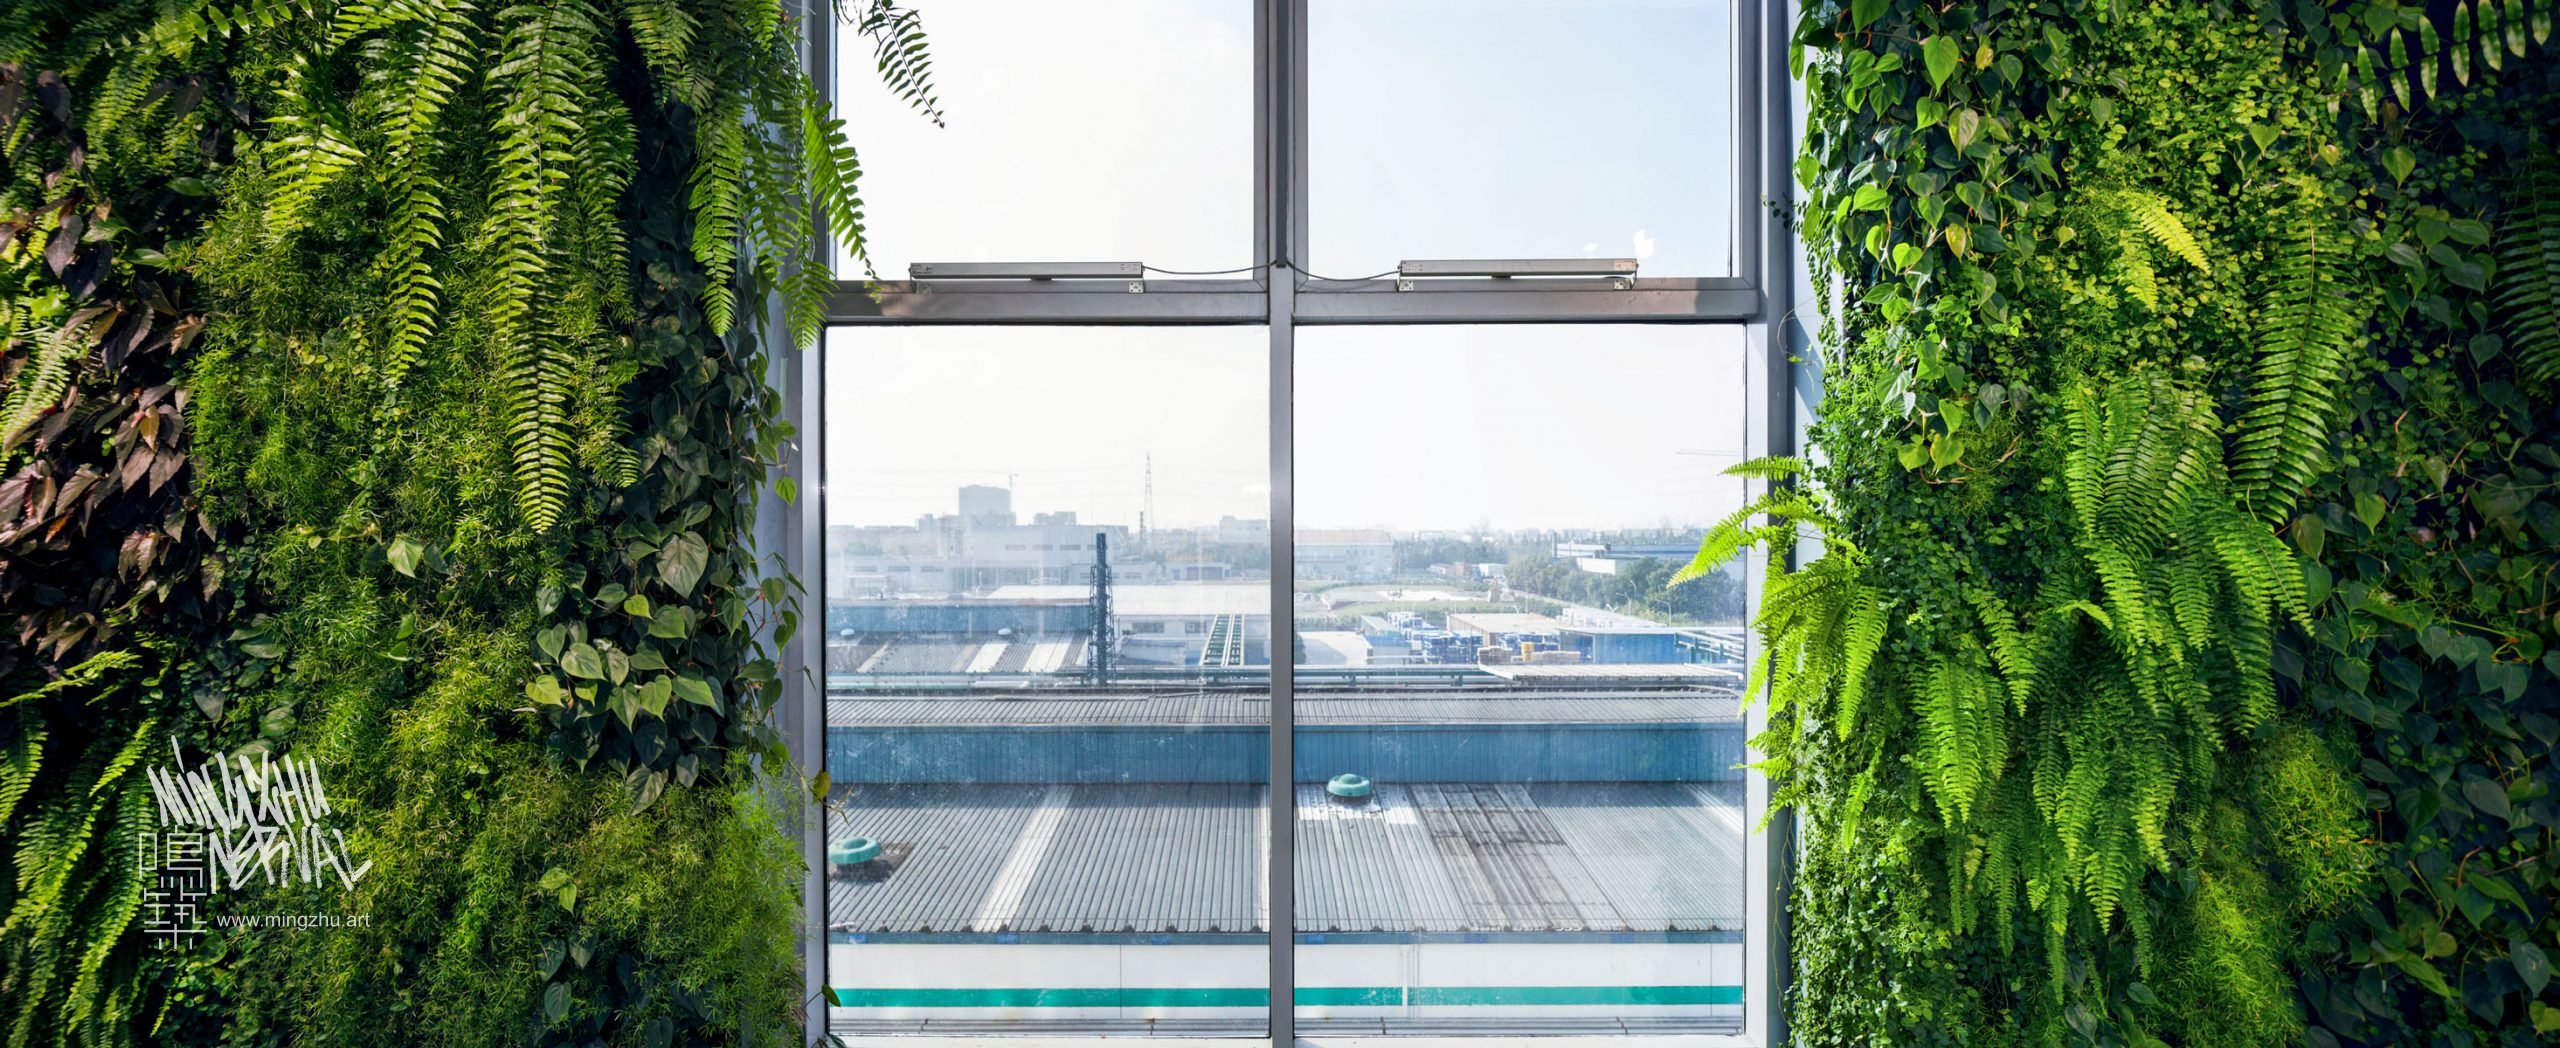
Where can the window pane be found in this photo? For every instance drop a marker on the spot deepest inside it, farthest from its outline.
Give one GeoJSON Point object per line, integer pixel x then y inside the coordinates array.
{"type": "Point", "coordinates": [1520, 129]}
{"type": "Point", "coordinates": [1110, 132]}
{"type": "Point", "coordinates": [1023, 832]}
{"type": "Point", "coordinates": [1519, 806]}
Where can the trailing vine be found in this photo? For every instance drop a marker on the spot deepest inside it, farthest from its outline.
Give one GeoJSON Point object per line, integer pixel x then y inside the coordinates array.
{"type": "Point", "coordinates": [383, 385]}
{"type": "Point", "coordinates": [2113, 281]}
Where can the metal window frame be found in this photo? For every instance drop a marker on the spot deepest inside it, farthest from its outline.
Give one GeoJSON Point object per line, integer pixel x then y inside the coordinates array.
{"type": "Point", "coordinates": [1757, 298]}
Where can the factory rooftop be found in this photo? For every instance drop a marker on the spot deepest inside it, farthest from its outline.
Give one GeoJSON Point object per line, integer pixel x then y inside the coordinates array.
{"type": "Point", "coordinates": [1137, 862]}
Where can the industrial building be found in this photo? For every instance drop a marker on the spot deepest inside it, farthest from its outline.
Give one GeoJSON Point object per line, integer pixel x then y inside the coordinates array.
{"type": "Point", "coordinates": [1605, 558]}
{"type": "Point", "coordinates": [1107, 844]}
{"type": "Point", "coordinates": [1059, 792]}
{"type": "Point", "coordinates": [980, 548]}
{"type": "Point", "coordinates": [1355, 555]}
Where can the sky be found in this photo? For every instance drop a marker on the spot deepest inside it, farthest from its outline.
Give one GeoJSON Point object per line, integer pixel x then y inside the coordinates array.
{"type": "Point", "coordinates": [1438, 129]}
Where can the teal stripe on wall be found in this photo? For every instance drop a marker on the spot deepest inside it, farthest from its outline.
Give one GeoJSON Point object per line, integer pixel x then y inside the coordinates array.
{"type": "Point", "coordinates": [1051, 997]}
{"type": "Point", "coordinates": [1308, 996]}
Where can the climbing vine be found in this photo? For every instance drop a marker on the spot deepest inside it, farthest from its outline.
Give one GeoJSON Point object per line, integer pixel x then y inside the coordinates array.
{"type": "Point", "coordinates": [2124, 302]}
{"type": "Point", "coordinates": [382, 383]}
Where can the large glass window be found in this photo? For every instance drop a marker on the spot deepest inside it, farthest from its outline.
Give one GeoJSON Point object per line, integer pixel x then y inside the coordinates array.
{"type": "Point", "coordinates": [1471, 129]}
{"type": "Point", "coordinates": [1518, 748]}
{"type": "Point", "coordinates": [1119, 131]}
{"type": "Point", "coordinates": [1256, 654]}
{"type": "Point", "coordinates": [1048, 634]}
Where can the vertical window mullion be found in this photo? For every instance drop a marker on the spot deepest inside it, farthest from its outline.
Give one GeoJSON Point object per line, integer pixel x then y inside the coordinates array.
{"type": "Point", "coordinates": [1282, 92]}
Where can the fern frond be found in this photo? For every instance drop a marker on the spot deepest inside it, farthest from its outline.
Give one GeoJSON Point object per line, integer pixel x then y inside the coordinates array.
{"type": "Point", "coordinates": [665, 32]}
{"type": "Point", "coordinates": [1862, 635]}
{"type": "Point", "coordinates": [2528, 292]}
{"type": "Point", "coordinates": [898, 50]}
{"type": "Point", "coordinates": [1962, 738]}
{"type": "Point", "coordinates": [2153, 216]}
{"type": "Point", "coordinates": [717, 202]}
{"type": "Point", "coordinates": [1770, 468]}
{"type": "Point", "coordinates": [2010, 651]}
{"type": "Point", "coordinates": [432, 73]}
{"type": "Point", "coordinates": [39, 385]}
{"type": "Point", "coordinates": [2133, 270]}
{"type": "Point", "coordinates": [2304, 331]}
{"type": "Point", "coordinates": [310, 154]}
{"type": "Point", "coordinates": [18, 775]}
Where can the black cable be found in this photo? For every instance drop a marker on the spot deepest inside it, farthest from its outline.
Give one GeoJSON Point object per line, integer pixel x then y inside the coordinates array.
{"type": "Point", "coordinates": [1339, 280]}
{"type": "Point", "coordinates": [1208, 272]}
{"type": "Point", "coordinates": [1267, 265]}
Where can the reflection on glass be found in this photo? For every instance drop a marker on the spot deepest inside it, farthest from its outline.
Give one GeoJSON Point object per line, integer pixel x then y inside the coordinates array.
{"type": "Point", "coordinates": [1520, 129]}
{"type": "Point", "coordinates": [1516, 749]}
{"type": "Point", "coordinates": [1111, 132]}
{"type": "Point", "coordinates": [1047, 672]}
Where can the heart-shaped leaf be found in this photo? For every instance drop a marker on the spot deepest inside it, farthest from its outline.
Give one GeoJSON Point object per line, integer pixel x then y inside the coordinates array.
{"type": "Point", "coordinates": [1940, 53]}
{"type": "Point", "coordinates": [681, 563]}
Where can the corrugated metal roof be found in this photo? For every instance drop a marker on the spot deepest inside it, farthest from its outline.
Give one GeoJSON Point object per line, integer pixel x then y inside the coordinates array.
{"type": "Point", "coordinates": [1619, 671]}
{"type": "Point", "coordinates": [1422, 858]}
{"type": "Point", "coordinates": [1167, 598]}
{"type": "Point", "coordinates": [1502, 622]}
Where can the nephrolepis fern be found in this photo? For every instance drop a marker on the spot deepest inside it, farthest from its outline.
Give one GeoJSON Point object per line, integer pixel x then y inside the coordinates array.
{"type": "Point", "coordinates": [2053, 746]}
{"type": "Point", "coordinates": [2306, 324]}
{"type": "Point", "coordinates": [74, 820]}
{"type": "Point", "coordinates": [2528, 291]}
{"type": "Point", "coordinates": [2139, 222]}
{"type": "Point", "coordinates": [771, 163]}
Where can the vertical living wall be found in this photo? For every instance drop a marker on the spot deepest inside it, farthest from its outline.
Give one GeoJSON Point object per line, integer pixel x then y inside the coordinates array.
{"type": "Point", "coordinates": [2175, 666]}
{"type": "Point", "coordinates": [378, 390]}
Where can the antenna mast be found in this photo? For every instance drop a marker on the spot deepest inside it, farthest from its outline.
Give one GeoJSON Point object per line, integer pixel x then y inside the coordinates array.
{"type": "Point", "coordinates": [1098, 664]}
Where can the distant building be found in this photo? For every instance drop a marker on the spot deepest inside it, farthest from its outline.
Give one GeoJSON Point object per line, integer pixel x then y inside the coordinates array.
{"type": "Point", "coordinates": [1356, 554]}
{"type": "Point", "coordinates": [1194, 623]}
{"type": "Point", "coordinates": [983, 506]}
{"type": "Point", "coordinates": [1605, 558]}
{"type": "Point", "coordinates": [975, 550]}
{"type": "Point", "coordinates": [1240, 531]}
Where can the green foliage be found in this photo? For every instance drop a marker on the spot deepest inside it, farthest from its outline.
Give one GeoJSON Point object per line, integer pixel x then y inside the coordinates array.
{"type": "Point", "coordinates": [2128, 296]}
{"type": "Point", "coordinates": [76, 817]}
{"type": "Point", "coordinates": [539, 149]}
{"type": "Point", "coordinates": [2528, 297]}
{"type": "Point", "coordinates": [106, 564]}
{"type": "Point", "coordinates": [378, 402]}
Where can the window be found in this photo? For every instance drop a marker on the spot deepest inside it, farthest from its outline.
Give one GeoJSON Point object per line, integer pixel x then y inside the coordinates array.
{"type": "Point", "coordinates": [1038, 808]}
{"type": "Point", "coordinates": [1323, 593]}
{"type": "Point", "coordinates": [1519, 801]}
{"type": "Point", "coordinates": [1075, 132]}
{"type": "Point", "coordinates": [1520, 129]}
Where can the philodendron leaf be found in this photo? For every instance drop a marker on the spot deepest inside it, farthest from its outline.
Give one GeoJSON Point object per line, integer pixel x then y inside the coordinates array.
{"type": "Point", "coordinates": [654, 695]}
{"type": "Point", "coordinates": [695, 690]}
{"type": "Point", "coordinates": [2532, 965]}
{"type": "Point", "coordinates": [582, 660]}
{"type": "Point", "coordinates": [1941, 54]}
{"type": "Point", "coordinates": [681, 562]}
{"type": "Point", "coordinates": [672, 623]}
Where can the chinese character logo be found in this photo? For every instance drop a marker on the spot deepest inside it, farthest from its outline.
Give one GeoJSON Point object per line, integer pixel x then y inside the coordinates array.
{"type": "Point", "coordinates": [230, 823]}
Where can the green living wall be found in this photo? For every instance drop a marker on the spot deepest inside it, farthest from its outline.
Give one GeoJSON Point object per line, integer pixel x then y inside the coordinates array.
{"type": "Point", "coordinates": [2176, 661]}
{"type": "Point", "coordinates": [383, 387]}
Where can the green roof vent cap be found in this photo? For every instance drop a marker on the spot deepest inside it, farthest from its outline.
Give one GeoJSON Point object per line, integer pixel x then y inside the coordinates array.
{"type": "Point", "coordinates": [1349, 787]}
{"type": "Point", "coordinates": [853, 851]}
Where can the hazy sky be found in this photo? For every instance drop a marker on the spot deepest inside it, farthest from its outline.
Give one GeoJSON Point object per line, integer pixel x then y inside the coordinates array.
{"type": "Point", "coordinates": [1122, 130]}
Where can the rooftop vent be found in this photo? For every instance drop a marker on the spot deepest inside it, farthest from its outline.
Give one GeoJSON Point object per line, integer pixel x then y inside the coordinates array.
{"type": "Point", "coordinates": [853, 851]}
